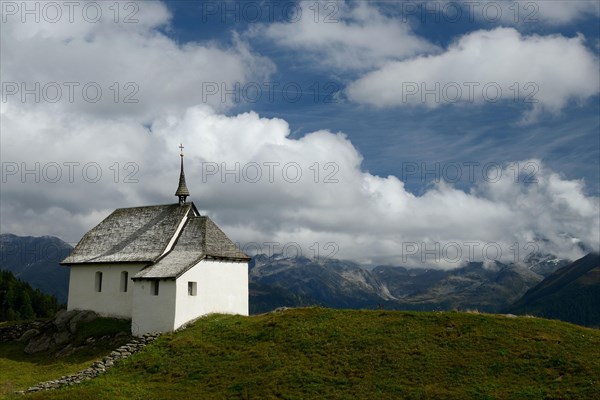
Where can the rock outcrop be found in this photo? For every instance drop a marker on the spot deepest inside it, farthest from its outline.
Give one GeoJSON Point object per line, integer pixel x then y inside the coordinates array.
{"type": "Point", "coordinates": [17, 331]}
{"type": "Point", "coordinates": [52, 335]}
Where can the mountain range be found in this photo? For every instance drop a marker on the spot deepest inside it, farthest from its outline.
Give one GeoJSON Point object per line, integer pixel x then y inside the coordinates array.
{"type": "Point", "coordinates": [570, 294]}
{"type": "Point", "coordinates": [277, 281]}
{"type": "Point", "coordinates": [35, 260]}
{"type": "Point", "coordinates": [346, 284]}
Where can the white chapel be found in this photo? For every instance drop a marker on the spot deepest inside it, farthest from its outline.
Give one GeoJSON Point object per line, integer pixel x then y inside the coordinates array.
{"type": "Point", "coordinates": [161, 266]}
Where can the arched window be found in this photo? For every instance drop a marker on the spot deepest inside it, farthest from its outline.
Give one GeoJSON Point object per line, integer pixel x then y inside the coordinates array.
{"type": "Point", "coordinates": [154, 288]}
{"type": "Point", "coordinates": [98, 281]}
{"type": "Point", "coordinates": [124, 280]}
{"type": "Point", "coordinates": [192, 288]}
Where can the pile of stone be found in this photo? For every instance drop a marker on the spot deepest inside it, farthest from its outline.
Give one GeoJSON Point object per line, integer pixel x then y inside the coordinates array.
{"type": "Point", "coordinates": [98, 367]}
{"type": "Point", "coordinates": [14, 332]}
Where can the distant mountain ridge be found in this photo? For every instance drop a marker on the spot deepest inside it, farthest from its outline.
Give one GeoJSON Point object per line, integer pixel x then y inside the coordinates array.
{"type": "Point", "coordinates": [571, 294]}
{"type": "Point", "coordinates": [475, 286]}
{"type": "Point", "coordinates": [35, 260]}
{"type": "Point", "coordinates": [277, 281]}
{"type": "Point", "coordinates": [346, 284]}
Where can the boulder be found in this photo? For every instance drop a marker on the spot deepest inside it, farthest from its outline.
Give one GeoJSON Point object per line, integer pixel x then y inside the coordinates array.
{"type": "Point", "coordinates": [61, 337]}
{"type": "Point", "coordinates": [62, 318]}
{"type": "Point", "coordinates": [83, 317]}
{"type": "Point", "coordinates": [66, 351]}
{"type": "Point", "coordinates": [38, 343]}
{"type": "Point", "coordinates": [28, 335]}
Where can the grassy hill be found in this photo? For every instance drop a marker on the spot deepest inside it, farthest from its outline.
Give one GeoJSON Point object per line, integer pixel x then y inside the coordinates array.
{"type": "Point", "coordinates": [316, 353]}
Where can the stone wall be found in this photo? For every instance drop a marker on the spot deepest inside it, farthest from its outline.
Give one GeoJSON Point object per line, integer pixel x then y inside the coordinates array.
{"type": "Point", "coordinates": [56, 336]}
{"type": "Point", "coordinates": [98, 367]}
{"type": "Point", "coordinates": [15, 332]}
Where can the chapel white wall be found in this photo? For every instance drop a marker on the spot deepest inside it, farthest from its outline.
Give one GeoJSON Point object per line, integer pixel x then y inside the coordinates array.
{"type": "Point", "coordinates": [222, 287]}
{"type": "Point", "coordinates": [111, 301]}
{"type": "Point", "coordinates": [153, 313]}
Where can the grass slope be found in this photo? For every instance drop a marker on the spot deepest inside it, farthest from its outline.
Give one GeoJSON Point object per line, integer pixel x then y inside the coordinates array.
{"type": "Point", "coordinates": [18, 370]}
{"type": "Point", "coordinates": [316, 353]}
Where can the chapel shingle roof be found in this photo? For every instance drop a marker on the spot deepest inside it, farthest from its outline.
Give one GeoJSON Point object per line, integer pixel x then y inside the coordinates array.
{"type": "Point", "coordinates": [143, 234]}
{"type": "Point", "coordinates": [200, 238]}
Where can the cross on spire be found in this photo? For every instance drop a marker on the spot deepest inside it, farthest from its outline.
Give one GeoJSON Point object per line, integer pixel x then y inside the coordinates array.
{"type": "Point", "coordinates": [182, 190]}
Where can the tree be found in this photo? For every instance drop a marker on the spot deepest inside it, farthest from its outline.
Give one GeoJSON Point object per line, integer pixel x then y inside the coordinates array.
{"type": "Point", "coordinates": [18, 300]}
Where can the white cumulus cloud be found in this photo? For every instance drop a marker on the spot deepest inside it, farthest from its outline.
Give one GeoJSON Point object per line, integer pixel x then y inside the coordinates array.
{"type": "Point", "coordinates": [346, 36]}
{"type": "Point", "coordinates": [269, 191]}
{"type": "Point", "coordinates": [525, 14]}
{"type": "Point", "coordinates": [540, 72]}
{"type": "Point", "coordinates": [555, 12]}
{"type": "Point", "coordinates": [67, 165]}
{"type": "Point", "coordinates": [129, 69]}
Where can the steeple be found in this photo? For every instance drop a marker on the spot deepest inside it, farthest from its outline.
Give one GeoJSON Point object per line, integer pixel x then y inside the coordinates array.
{"type": "Point", "coordinates": [182, 190]}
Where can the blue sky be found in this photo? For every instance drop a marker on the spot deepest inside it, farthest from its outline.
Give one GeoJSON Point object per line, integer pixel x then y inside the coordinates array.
{"type": "Point", "coordinates": [420, 123]}
{"type": "Point", "coordinates": [568, 141]}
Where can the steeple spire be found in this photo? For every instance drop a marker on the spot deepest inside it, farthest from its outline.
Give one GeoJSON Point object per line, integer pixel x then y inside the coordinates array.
{"type": "Point", "coordinates": [182, 190]}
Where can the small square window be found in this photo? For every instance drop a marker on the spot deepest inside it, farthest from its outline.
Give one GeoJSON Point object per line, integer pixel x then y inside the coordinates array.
{"type": "Point", "coordinates": [192, 287]}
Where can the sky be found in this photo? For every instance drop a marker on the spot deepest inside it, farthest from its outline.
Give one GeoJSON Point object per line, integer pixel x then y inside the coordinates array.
{"type": "Point", "coordinates": [416, 133]}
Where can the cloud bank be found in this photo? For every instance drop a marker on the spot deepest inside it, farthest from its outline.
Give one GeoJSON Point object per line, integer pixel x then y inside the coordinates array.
{"type": "Point", "coordinates": [345, 36]}
{"type": "Point", "coordinates": [67, 164]}
{"type": "Point", "coordinates": [309, 193]}
{"type": "Point", "coordinates": [131, 70]}
{"type": "Point", "coordinates": [501, 65]}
